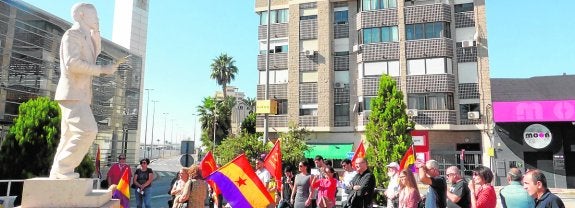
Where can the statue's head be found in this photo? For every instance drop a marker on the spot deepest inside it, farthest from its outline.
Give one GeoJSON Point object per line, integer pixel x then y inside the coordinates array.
{"type": "Point", "coordinates": [85, 14]}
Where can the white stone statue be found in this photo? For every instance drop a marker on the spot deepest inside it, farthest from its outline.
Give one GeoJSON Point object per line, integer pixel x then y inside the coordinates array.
{"type": "Point", "coordinates": [79, 49]}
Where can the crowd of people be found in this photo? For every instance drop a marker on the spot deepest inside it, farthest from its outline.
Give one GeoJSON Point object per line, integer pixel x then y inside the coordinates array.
{"type": "Point", "coordinates": [318, 187]}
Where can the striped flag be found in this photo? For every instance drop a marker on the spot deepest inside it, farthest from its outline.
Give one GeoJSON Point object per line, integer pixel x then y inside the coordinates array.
{"type": "Point", "coordinates": [240, 185]}
{"type": "Point", "coordinates": [408, 159]}
{"type": "Point", "coordinates": [122, 191]}
{"type": "Point", "coordinates": [98, 163]}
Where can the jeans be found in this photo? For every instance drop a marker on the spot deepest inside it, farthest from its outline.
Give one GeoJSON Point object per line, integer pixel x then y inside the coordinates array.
{"type": "Point", "coordinates": [147, 197]}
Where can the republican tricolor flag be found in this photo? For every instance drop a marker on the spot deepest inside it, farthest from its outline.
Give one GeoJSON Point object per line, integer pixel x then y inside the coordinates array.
{"type": "Point", "coordinates": [408, 159]}
{"type": "Point", "coordinates": [240, 185]}
{"type": "Point", "coordinates": [122, 191]}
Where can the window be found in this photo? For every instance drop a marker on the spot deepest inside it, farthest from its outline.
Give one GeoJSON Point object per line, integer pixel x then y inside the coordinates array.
{"type": "Point", "coordinates": [276, 49]}
{"type": "Point", "coordinates": [429, 66]}
{"type": "Point", "coordinates": [276, 16]}
{"type": "Point", "coordinates": [341, 112]}
{"type": "Point", "coordinates": [340, 17]}
{"type": "Point", "coordinates": [308, 17]}
{"type": "Point", "coordinates": [377, 4]}
{"type": "Point", "coordinates": [390, 68]}
{"type": "Point", "coordinates": [379, 34]}
{"type": "Point", "coordinates": [465, 108]}
{"type": "Point", "coordinates": [427, 30]}
{"type": "Point", "coordinates": [463, 7]}
{"type": "Point", "coordinates": [308, 112]}
{"type": "Point", "coordinates": [282, 106]}
{"type": "Point", "coordinates": [430, 101]}
{"type": "Point", "coordinates": [367, 103]}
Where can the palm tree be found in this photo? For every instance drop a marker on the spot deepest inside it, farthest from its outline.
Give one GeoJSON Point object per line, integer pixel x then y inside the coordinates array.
{"type": "Point", "coordinates": [215, 111]}
{"type": "Point", "coordinates": [223, 70]}
{"type": "Point", "coordinates": [251, 103]}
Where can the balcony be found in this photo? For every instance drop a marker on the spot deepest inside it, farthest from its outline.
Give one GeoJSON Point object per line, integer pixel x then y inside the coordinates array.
{"type": "Point", "coordinates": [368, 86]}
{"type": "Point", "coordinates": [307, 121]}
{"type": "Point", "coordinates": [430, 117]}
{"type": "Point", "coordinates": [427, 13]}
{"type": "Point", "coordinates": [278, 91]}
{"type": "Point", "coordinates": [273, 121]}
{"type": "Point", "coordinates": [277, 61]}
{"type": "Point", "coordinates": [423, 48]}
{"type": "Point", "coordinates": [376, 18]}
{"type": "Point", "coordinates": [430, 83]}
{"type": "Point", "coordinates": [278, 31]}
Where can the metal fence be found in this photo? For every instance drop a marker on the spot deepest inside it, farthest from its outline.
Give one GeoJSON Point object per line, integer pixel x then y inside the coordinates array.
{"type": "Point", "coordinates": [471, 159]}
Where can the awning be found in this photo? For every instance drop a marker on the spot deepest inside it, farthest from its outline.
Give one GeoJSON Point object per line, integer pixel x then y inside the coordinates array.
{"type": "Point", "coordinates": [329, 151]}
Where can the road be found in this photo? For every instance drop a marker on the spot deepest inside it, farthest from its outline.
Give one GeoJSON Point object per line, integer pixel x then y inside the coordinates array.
{"type": "Point", "coordinates": [165, 169]}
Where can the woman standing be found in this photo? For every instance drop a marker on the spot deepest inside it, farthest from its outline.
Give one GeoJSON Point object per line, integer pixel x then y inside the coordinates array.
{"type": "Point", "coordinates": [326, 188]}
{"type": "Point", "coordinates": [300, 197]}
{"type": "Point", "coordinates": [484, 196]}
{"type": "Point", "coordinates": [143, 180]}
{"type": "Point", "coordinates": [196, 189]}
{"type": "Point", "coordinates": [408, 192]}
{"type": "Point", "coordinates": [177, 189]}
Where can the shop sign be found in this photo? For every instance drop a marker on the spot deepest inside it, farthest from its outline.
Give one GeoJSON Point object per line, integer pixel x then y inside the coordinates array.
{"type": "Point", "coordinates": [537, 136]}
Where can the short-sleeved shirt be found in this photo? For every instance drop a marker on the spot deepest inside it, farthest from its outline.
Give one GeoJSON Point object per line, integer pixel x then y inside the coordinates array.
{"type": "Point", "coordinates": [460, 189]}
{"type": "Point", "coordinates": [263, 175]}
{"type": "Point", "coordinates": [436, 194]}
{"type": "Point", "coordinates": [514, 195]}
{"type": "Point", "coordinates": [142, 176]}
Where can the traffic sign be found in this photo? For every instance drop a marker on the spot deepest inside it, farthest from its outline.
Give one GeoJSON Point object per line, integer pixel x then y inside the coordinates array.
{"type": "Point", "coordinates": [186, 160]}
{"type": "Point", "coordinates": [350, 155]}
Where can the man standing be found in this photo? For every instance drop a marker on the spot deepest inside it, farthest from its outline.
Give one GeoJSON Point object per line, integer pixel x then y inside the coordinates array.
{"type": "Point", "coordinates": [536, 185]}
{"type": "Point", "coordinates": [458, 194]}
{"type": "Point", "coordinates": [513, 195]}
{"type": "Point", "coordinates": [262, 173]}
{"type": "Point", "coordinates": [348, 174]}
{"type": "Point", "coordinates": [363, 186]}
{"type": "Point", "coordinates": [392, 191]}
{"type": "Point", "coordinates": [429, 174]}
{"type": "Point", "coordinates": [318, 174]}
{"type": "Point", "coordinates": [117, 169]}
{"type": "Point", "coordinates": [79, 49]}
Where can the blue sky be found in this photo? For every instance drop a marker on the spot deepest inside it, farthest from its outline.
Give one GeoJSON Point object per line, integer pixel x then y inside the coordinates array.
{"type": "Point", "coordinates": [184, 37]}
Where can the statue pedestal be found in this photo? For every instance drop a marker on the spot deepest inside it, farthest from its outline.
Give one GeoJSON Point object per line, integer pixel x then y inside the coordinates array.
{"type": "Point", "coordinates": [46, 192]}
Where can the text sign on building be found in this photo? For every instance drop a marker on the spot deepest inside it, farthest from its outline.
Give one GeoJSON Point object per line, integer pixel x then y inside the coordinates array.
{"type": "Point", "coordinates": [266, 106]}
{"type": "Point", "coordinates": [418, 140]}
{"type": "Point", "coordinates": [537, 136]}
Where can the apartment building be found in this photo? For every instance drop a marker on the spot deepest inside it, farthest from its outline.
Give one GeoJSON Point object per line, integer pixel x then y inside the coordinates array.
{"type": "Point", "coordinates": [326, 58]}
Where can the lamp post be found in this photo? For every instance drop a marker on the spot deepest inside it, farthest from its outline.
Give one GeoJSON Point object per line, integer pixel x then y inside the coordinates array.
{"type": "Point", "coordinates": [172, 138]}
{"type": "Point", "coordinates": [165, 121]}
{"type": "Point", "coordinates": [267, 93]}
{"type": "Point", "coordinates": [146, 129]}
{"type": "Point", "coordinates": [153, 122]}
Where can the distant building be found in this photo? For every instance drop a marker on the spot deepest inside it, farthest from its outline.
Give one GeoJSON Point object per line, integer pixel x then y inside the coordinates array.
{"type": "Point", "coordinates": [326, 59]}
{"type": "Point", "coordinates": [30, 41]}
{"type": "Point", "coordinates": [240, 110]}
{"type": "Point", "coordinates": [535, 127]}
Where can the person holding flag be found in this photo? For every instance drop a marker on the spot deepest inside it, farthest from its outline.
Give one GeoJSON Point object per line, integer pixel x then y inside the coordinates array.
{"type": "Point", "coordinates": [207, 166]}
{"type": "Point", "coordinates": [122, 191]}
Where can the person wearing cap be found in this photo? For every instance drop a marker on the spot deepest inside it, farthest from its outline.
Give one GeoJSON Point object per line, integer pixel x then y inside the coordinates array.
{"type": "Point", "coordinates": [392, 189]}
{"type": "Point", "coordinates": [513, 195]}
{"type": "Point", "coordinates": [117, 169]}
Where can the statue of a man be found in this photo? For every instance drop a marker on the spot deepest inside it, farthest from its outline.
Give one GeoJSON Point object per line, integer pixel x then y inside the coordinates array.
{"type": "Point", "coordinates": [79, 49]}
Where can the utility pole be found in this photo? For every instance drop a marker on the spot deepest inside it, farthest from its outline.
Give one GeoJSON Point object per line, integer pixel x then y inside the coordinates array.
{"type": "Point", "coordinates": [165, 121]}
{"type": "Point", "coordinates": [146, 129]}
{"type": "Point", "coordinates": [267, 87]}
{"type": "Point", "coordinates": [153, 122]}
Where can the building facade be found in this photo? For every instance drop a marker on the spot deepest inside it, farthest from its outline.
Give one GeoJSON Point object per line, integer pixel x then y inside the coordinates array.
{"type": "Point", "coordinates": [327, 56]}
{"type": "Point", "coordinates": [241, 108]}
{"type": "Point", "coordinates": [535, 127]}
{"type": "Point", "coordinates": [30, 44]}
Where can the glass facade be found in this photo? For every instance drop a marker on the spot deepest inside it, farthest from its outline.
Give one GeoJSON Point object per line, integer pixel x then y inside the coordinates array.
{"type": "Point", "coordinates": [30, 42]}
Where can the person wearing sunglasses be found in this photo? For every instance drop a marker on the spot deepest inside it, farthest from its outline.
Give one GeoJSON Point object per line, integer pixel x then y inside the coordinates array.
{"type": "Point", "coordinates": [143, 181]}
{"type": "Point", "coordinates": [484, 196]}
{"type": "Point", "coordinates": [326, 188]}
{"type": "Point", "coordinates": [300, 197]}
{"type": "Point", "coordinates": [117, 169]}
{"type": "Point", "coordinates": [458, 194]}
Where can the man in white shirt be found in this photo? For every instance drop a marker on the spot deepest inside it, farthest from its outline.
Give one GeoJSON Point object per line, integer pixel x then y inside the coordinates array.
{"type": "Point", "coordinates": [392, 191]}
{"type": "Point", "coordinates": [262, 173]}
{"type": "Point", "coordinates": [348, 175]}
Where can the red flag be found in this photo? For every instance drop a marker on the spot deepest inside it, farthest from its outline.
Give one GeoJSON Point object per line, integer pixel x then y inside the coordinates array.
{"type": "Point", "coordinates": [408, 158]}
{"type": "Point", "coordinates": [359, 153]}
{"type": "Point", "coordinates": [208, 166]}
{"type": "Point", "coordinates": [98, 163]}
{"type": "Point", "coordinates": [273, 163]}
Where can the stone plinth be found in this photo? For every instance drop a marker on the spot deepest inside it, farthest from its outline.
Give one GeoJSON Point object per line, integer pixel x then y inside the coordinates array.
{"type": "Point", "coordinates": [46, 192]}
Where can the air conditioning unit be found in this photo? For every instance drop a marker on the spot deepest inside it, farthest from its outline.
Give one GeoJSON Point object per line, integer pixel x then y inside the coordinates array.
{"type": "Point", "coordinates": [309, 53]}
{"type": "Point", "coordinates": [467, 44]}
{"type": "Point", "coordinates": [412, 112]}
{"type": "Point", "coordinates": [473, 115]}
{"type": "Point", "coordinates": [339, 85]}
{"type": "Point", "coordinates": [356, 48]}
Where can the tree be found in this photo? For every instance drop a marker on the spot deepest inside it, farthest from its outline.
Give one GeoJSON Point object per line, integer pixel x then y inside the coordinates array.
{"type": "Point", "coordinates": [387, 132]}
{"type": "Point", "coordinates": [215, 111]}
{"type": "Point", "coordinates": [29, 147]}
{"type": "Point", "coordinates": [223, 70]}
{"type": "Point", "coordinates": [251, 103]}
{"type": "Point", "coordinates": [293, 144]}
{"type": "Point", "coordinates": [248, 144]}
{"type": "Point", "coordinates": [249, 124]}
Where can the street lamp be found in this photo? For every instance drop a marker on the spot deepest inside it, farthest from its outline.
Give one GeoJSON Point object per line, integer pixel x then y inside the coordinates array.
{"type": "Point", "coordinates": [165, 121]}
{"type": "Point", "coordinates": [267, 87]}
{"type": "Point", "coordinates": [146, 130]}
{"type": "Point", "coordinates": [172, 138]}
{"type": "Point", "coordinates": [153, 122]}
